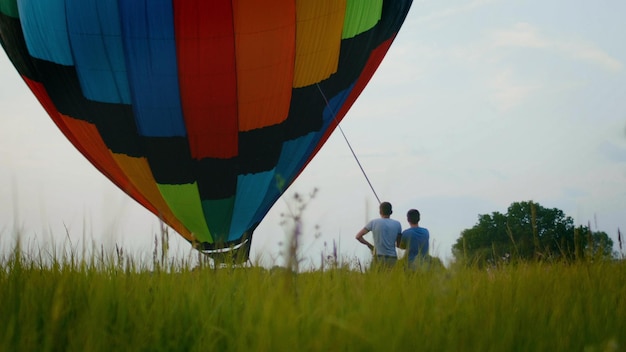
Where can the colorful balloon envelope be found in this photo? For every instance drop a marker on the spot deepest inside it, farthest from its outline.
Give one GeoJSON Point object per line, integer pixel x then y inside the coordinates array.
{"type": "Point", "coordinates": [203, 111]}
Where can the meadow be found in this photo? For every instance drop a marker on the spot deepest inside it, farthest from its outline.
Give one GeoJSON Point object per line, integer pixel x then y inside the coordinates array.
{"type": "Point", "coordinates": [112, 302]}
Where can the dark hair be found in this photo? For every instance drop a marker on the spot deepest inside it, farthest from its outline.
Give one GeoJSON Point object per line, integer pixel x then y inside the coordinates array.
{"type": "Point", "coordinates": [385, 208]}
{"type": "Point", "coordinates": [413, 216]}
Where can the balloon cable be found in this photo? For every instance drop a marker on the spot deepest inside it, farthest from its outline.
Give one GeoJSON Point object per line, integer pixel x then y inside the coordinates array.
{"type": "Point", "coordinates": [347, 142]}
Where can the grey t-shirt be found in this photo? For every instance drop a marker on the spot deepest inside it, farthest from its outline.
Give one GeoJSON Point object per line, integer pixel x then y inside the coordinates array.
{"type": "Point", "coordinates": [385, 232]}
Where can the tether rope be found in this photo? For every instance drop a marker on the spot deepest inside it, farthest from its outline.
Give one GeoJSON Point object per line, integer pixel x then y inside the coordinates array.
{"type": "Point", "coordinates": [347, 142]}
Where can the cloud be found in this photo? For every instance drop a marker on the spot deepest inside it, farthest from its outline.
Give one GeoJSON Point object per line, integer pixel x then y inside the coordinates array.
{"type": "Point", "coordinates": [589, 53]}
{"type": "Point", "coordinates": [510, 79]}
{"type": "Point", "coordinates": [521, 35]}
{"type": "Point", "coordinates": [525, 35]}
{"type": "Point", "coordinates": [455, 10]}
{"type": "Point", "coordinates": [508, 93]}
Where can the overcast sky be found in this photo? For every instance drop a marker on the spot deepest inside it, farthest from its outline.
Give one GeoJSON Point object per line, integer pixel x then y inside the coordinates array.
{"type": "Point", "coordinates": [477, 105]}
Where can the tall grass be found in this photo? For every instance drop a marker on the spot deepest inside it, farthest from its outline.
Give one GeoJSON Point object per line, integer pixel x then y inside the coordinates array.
{"type": "Point", "coordinates": [110, 302]}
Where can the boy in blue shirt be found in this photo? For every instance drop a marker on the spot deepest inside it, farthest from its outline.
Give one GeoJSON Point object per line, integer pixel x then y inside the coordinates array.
{"type": "Point", "coordinates": [415, 240]}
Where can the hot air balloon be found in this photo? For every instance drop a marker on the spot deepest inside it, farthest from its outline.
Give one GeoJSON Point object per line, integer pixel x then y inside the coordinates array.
{"type": "Point", "coordinates": [202, 111]}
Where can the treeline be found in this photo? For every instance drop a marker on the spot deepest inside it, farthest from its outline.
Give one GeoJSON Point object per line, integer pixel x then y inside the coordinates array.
{"type": "Point", "coordinates": [530, 232]}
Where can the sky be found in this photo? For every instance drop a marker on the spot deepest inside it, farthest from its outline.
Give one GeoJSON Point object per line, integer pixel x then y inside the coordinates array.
{"type": "Point", "coordinates": [478, 104]}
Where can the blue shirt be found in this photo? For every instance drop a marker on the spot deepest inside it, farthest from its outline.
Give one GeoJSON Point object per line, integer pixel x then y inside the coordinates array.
{"type": "Point", "coordinates": [416, 241]}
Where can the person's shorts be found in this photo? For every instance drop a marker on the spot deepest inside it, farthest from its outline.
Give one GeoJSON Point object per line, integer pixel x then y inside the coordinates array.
{"type": "Point", "coordinates": [385, 260]}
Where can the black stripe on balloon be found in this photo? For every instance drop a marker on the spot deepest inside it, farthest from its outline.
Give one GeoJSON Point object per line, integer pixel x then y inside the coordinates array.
{"type": "Point", "coordinates": [305, 113]}
{"type": "Point", "coordinates": [259, 149]}
{"type": "Point", "coordinates": [114, 122]}
{"type": "Point", "coordinates": [393, 15]}
{"type": "Point", "coordinates": [170, 160]}
{"type": "Point", "coordinates": [171, 163]}
{"type": "Point", "coordinates": [12, 38]}
{"type": "Point", "coordinates": [217, 178]}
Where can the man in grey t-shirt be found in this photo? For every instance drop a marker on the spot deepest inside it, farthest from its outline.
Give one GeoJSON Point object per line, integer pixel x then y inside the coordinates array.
{"type": "Point", "coordinates": [386, 232]}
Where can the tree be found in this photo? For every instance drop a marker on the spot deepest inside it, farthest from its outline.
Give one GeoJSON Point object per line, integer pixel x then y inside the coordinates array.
{"type": "Point", "coordinates": [529, 231]}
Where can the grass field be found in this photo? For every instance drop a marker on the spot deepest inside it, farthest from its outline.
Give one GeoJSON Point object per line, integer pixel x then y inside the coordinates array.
{"type": "Point", "coordinates": [55, 302]}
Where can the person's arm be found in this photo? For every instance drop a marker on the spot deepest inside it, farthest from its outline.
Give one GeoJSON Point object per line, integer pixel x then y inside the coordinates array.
{"type": "Point", "coordinates": [399, 241]}
{"type": "Point", "coordinates": [359, 237]}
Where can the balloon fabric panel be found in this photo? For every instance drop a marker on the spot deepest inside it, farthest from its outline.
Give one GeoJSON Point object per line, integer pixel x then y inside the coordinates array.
{"type": "Point", "coordinates": [202, 111]}
{"type": "Point", "coordinates": [207, 75]}
{"type": "Point", "coordinates": [138, 171]}
{"type": "Point", "coordinates": [186, 205]}
{"type": "Point", "coordinates": [250, 197]}
{"type": "Point", "coordinates": [148, 37]}
{"type": "Point", "coordinates": [361, 15]}
{"type": "Point", "coordinates": [9, 8]}
{"type": "Point", "coordinates": [95, 35]}
{"type": "Point", "coordinates": [45, 30]}
{"type": "Point", "coordinates": [318, 40]}
{"type": "Point", "coordinates": [264, 44]}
